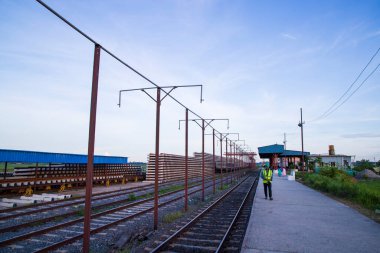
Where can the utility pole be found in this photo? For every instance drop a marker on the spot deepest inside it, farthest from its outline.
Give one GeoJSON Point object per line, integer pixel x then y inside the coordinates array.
{"type": "Point", "coordinates": [301, 126]}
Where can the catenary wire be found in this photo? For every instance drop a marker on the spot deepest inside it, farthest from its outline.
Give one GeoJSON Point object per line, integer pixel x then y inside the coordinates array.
{"type": "Point", "coordinates": [344, 101]}
{"type": "Point", "coordinates": [331, 108]}
{"type": "Point", "coordinates": [115, 57]}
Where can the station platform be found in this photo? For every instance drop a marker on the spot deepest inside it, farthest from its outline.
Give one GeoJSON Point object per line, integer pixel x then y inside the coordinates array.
{"type": "Point", "coordinates": [300, 219]}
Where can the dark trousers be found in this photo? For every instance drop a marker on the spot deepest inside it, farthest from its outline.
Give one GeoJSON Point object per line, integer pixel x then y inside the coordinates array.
{"type": "Point", "coordinates": [269, 186]}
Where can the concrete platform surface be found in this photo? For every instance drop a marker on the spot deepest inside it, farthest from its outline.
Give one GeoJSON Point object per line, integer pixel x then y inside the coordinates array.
{"type": "Point", "coordinates": [300, 219]}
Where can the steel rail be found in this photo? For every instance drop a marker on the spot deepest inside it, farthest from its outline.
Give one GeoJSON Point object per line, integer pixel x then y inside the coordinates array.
{"type": "Point", "coordinates": [76, 200]}
{"type": "Point", "coordinates": [236, 217]}
{"type": "Point", "coordinates": [190, 223]}
{"type": "Point", "coordinates": [38, 221]}
{"type": "Point", "coordinates": [93, 231]}
{"type": "Point", "coordinates": [44, 230]}
{"type": "Point", "coordinates": [41, 231]}
{"type": "Point", "coordinates": [97, 207]}
{"type": "Point", "coordinates": [73, 201]}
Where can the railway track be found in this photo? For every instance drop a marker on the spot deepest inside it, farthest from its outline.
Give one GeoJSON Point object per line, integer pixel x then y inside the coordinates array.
{"type": "Point", "coordinates": [68, 227]}
{"type": "Point", "coordinates": [220, 227]}
{"type": "Point", "coordinates": [16, 218]}
{"type": "Point", "coordinates": [6, 214]}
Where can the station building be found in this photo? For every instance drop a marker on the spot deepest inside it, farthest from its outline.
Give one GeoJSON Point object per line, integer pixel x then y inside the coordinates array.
{"type": "Point", "coordinates": [332, 159]}
{"type": "Point", "coordinates": [279, 156]}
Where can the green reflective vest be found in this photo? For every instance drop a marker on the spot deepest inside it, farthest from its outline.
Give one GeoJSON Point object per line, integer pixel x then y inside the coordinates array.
{"type": "Point", "coordinates": [267, 176]}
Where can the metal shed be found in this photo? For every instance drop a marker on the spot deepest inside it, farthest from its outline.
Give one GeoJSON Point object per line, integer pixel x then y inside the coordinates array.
{"type": "Point", "coordinates": [23, 156]}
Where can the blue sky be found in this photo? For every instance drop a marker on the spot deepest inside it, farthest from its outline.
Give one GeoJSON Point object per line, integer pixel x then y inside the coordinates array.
{"type": "Point", "coordinates": [259, 62]}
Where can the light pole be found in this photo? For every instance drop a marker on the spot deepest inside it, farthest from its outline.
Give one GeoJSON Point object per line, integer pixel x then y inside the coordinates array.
{"type": "Point", "coordinates": [300, 124]}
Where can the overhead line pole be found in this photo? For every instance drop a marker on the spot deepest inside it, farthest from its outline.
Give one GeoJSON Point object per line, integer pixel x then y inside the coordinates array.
{"type": "Point", "coordinates": [234, 155]}
{"type": "Point", "coordinates": [111, 54]}
{"type": "Point", "coordinates": [222, 137]}
{"type": "Point", "coordinates": [303, 156]}
{"type": "Point", "coordinates": [90, 151]}
{"type": "Point", "coordinates": [157, 151]}
{"type": "Point", "coordinates": [114, 56]}
{"type": "Point", "coordinates": [158, 101]}
{"type": "Point", "coordinates": [186, 157]}
{"type": "Point", "coordinates": [203, 127]}
{"type": "Point", "coordinates": [213, 160]}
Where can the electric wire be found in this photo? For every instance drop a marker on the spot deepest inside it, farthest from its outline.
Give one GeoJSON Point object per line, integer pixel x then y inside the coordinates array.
{"type": "Point", "coordinates": [349, 88]}
{"type": "Point", "coordinates": [331, 109]}
{"type": "Point", "coordinates": [115, 57]}
{"type": "Point", "coordinates": [336, 108]}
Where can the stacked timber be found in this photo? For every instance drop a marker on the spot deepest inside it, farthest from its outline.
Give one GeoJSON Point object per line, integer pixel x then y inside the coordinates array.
{"type": "Point", "coordinates": [172, 167]}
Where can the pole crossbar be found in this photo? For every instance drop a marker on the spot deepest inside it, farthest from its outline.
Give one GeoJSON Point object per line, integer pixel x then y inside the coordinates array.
{"type": "Point", "coordinates": [162, 88]}
{"type": "Point", "coordinates": [116, 58]}
{"type": "Point", "coordinates": [203, 126]}
{"type": "Point", "coordinates": [207, 121]}
{"type": "Point", "coordinates": [224, 135]}
{"type": "Point", "coordinates": [158, 101]}
{"type": "Point", "coordinates": [113, 55]}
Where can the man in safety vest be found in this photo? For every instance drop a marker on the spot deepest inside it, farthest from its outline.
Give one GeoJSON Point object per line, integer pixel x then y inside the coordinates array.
{"type": "Point", "coordinates": [267, 176]}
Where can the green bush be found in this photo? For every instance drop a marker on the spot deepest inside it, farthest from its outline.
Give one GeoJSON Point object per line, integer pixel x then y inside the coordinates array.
{"type": "Point", "coordinates": [341, 185]}
{"type": "Point", "coordinates": [300, 175]}
{"type": "Point", "coordinates": [363, 164]}
{"type": "Point", "coordinates": [328, 171]}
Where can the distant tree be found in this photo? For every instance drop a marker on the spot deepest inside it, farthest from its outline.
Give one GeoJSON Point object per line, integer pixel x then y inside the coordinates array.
{"type": "Point", "coordinates": [378, 163]}
{"type": "Point", "coordinates": [363, 164]}
{"type": "Point", "coordinates": [318, 160]}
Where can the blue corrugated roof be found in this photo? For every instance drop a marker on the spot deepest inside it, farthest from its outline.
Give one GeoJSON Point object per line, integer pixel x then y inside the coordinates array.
{"type": "Point", "coordinates": [268, 151]}
{"type": "Point", "coordinates": [7, 155]}
{"type": "Point", "coordinates": [271, 149]}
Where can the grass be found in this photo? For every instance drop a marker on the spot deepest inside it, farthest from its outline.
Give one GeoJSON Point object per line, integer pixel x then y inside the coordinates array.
{"type": "Point", "coordinates": [80, 212]}
{"type": "Point", "coordinates": [170, 189]}
{"type": "Point", "coordinates": [58, 219]}
{"type": "Point", "coordinates": [170, 217]}
{"type": "Point", "coordinates": [132, 197]}
{"type": "Point", "coordinates": [225, 186]}
{"type": "Point", "coordinates": [371, 184]}
{"type": "Point", "coordinates": [333, 181]}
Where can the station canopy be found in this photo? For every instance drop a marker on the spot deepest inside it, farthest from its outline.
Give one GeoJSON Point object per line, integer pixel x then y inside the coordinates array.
{"type": "Point", "coordinates": [280, 151]}
{"type": "Point", "coordinates": [22, 156]}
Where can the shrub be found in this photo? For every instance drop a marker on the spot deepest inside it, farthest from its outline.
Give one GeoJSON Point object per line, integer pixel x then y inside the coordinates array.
{"type": "Point", "coordinates": [341, 185]}
{"type": "Point", "coordinates": [328, 171]}
{"type": "Point", "coordinates": [363, 164]}
{"type": "Point", "coordinates": [300, 175]}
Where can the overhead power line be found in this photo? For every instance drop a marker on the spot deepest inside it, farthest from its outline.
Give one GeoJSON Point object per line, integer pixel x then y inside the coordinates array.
{"type": "Point", "coordinates": [117, 58]}
{"type": "Point", "coordinates": [335, 105]}
{"type": "Point", "coordinates": [336, 108]}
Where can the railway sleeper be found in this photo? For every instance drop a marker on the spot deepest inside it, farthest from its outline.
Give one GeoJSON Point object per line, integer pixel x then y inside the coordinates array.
{"type": "Point", "coordinates": [198, 242]}
{"type": "Point", "coordinates": [190, 249]}
{"type": "Point", "coordinates": [203, 235]}
{"type": "Point", "coordinates": [231, 249]}
{"type": "Point", "coordinates": [215, 228]}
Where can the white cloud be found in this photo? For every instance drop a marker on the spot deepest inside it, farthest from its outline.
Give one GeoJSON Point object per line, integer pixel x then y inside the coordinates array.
{"type": "Point", "coordinates": [288, 36]}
